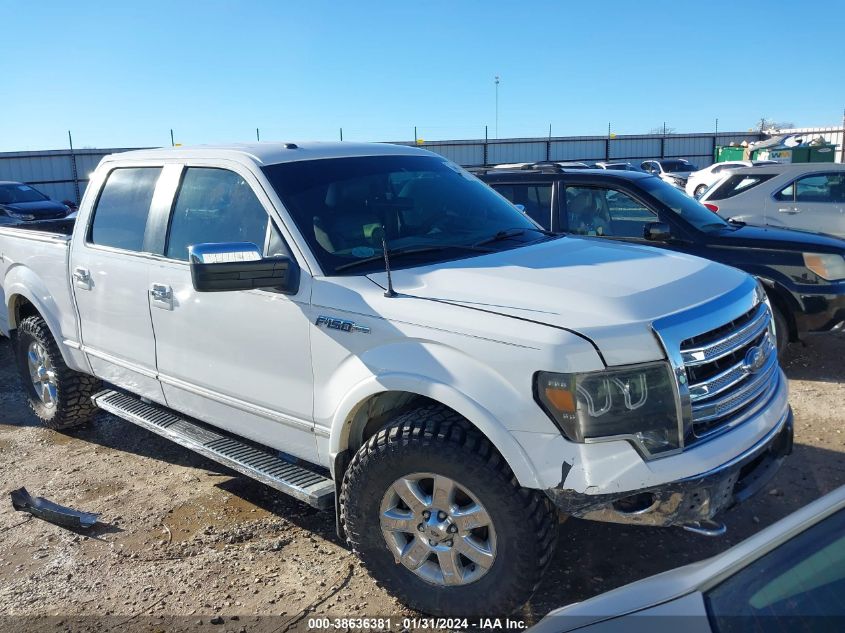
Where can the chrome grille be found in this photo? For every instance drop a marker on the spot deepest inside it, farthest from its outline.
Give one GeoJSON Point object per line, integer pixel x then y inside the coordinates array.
{"type": "Point", "coordinates": [728, 382]}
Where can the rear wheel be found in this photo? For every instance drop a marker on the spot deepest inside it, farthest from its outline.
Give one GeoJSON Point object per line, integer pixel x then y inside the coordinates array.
{"type": "Point", "coordinates": [437, 516]}
{"type": "Point", "coordinates": [59, 396]}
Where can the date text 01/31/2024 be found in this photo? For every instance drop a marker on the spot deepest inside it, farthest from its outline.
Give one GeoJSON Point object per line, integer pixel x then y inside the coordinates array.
{"type": "Point", "coordinates": [412, 624]}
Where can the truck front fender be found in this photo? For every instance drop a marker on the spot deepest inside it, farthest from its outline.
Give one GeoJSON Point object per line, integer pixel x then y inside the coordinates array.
{"type": "Point", "coordinates": [468, 407]}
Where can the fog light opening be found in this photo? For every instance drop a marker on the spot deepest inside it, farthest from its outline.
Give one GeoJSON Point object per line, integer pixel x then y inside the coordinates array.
{"type": "Point", "coordinates": [636, 504]}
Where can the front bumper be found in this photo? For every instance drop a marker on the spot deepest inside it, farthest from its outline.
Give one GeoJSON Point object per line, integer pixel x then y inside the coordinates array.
{"type": "Point", "coordinates": [821, 312]}
{"type": "Point", "coordinates": [691, 500]}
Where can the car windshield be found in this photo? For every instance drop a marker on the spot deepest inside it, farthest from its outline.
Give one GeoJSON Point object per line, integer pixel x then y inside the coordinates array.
{"type": "Point", "coordinates": [426, 208]}
{"type": "Point", "coordinates": [14, 193]}
{"type": "Point", "coordinates": [691, 210]}
{"type": "Point", "coordinates": [678, 165]}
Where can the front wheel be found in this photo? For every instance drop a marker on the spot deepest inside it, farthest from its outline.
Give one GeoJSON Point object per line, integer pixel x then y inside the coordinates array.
{"type": "Point", "coordinates": [437, 517]}
{"type": "Point", "coordinates": [59, 396]}
{"type": "Point", "coordinates": [781, 329]}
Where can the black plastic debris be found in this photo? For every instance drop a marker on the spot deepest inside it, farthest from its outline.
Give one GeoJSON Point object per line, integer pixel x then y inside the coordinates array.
{"type": "Point", "coordinates": [42, 508]}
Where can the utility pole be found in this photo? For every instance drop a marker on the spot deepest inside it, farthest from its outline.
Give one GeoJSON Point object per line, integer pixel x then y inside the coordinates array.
{"type": "Point", "coordinates": [172, 142]}
{"type": "Point", "coordinates": [257, 135]}
{"type": "Point", "coordinates": [496, 79]}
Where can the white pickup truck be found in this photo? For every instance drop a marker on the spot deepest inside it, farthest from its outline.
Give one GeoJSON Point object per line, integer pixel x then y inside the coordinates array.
{"type": "Point", "coordinates": [371, 328]}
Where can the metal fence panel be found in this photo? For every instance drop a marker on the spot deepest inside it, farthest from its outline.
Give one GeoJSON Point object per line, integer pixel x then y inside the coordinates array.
{"type": "Point", "coordinates": [63, 175]}
{"type": "Point", "coordinates": [622, 148]}
{"type": "Point", "coordinates": [519, 152]}
{"type": "Point", "coordinates": [585, 149]}
{"type": "Point", "coordinates": [471, 154]}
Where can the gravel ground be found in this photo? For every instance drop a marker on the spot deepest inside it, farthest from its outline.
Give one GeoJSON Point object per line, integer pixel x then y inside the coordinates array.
{"type": "Point", "coordinates": [182, 536]}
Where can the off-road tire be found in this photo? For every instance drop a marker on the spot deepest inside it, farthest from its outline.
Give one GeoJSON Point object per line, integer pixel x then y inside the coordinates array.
{"type": "Point", "coordinates": [436, 440]}
{"type": "Point", "coordinates": [73, 406]}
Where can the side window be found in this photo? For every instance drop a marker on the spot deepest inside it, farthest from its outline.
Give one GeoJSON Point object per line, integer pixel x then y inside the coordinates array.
{"type": "Point", "coordinates": [820, 188]}
{"type": "Point", "coordinates": [605, 212]}
{"type": "Point", "coordinates": [213, 206]}
{"type": "Point", "coordinates": [120, 217]}
{"type": "Point", "coordinates": [535, 197]}
{"type": "Point", "coordinates": [802, 578]}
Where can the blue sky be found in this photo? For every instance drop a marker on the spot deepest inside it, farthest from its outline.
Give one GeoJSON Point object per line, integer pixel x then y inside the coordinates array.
{"type": "Point", "coordinates": [122, 74]}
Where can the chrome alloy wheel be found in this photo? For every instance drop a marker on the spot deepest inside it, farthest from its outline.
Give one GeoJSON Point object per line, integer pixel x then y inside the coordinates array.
{"type": "Point", "coordinates": [437, 529]}
{"type": "Point", "coordinates": [43, 374]}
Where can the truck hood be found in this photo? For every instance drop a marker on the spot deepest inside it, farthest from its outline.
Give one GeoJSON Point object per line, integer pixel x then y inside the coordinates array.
{"type": "Point", "coordinates": [607, 291]}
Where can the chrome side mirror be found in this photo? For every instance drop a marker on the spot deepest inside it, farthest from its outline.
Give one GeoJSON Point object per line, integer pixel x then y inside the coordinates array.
{"type": "Point", "coordinates": [230, 266]}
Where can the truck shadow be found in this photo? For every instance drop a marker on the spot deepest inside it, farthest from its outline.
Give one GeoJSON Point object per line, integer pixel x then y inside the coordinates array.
{"type": "Point", "coordinates": [817, 357]}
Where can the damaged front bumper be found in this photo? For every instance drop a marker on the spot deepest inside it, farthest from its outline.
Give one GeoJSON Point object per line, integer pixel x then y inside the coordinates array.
{"type": "Point", "coordinates": [692, 502]}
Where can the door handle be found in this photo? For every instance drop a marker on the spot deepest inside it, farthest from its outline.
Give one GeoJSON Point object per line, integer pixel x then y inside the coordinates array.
{"type": "Point", "coordinates": [82, 277]}
{"type": "Point", "coordinates": [789, 210]}
{"type": "Point", "coordinates": [161, 294]}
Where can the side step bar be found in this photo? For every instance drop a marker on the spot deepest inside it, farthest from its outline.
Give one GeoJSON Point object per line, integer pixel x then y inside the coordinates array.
{"type": "Point", "coordinates": [296, 481]}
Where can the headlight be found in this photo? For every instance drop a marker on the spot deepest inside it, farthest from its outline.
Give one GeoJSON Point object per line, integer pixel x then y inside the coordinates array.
{"type": "Point", "coordinates": [636, 403]}
{"type": "Point", "coordinates": [828, 266]}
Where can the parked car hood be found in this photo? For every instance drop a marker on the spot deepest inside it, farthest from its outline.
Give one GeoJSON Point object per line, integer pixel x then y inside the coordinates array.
{"type": "Point", "coordinates": [781, 239]}
{"type": "Point", "coordinates": [38, 208]}
{"type": "Point", "coordinates": [607, 291]}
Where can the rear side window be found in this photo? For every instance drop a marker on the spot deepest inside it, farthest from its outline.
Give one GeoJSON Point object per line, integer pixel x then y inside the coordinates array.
{"type": "Point", "coordinates": [214, 206]}
{"type": "Point", "coordinates": [120, 217]}
{"type": "Point", "coordinates": [737, 184]}
{"type": "Point", "coordinates": [815, 188]}
{"type": "Point", "coordinates": [536, 198]}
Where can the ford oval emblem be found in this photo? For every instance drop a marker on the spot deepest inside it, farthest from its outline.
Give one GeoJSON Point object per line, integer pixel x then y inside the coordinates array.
{"type": "Point", "coordinates": [754, 360]}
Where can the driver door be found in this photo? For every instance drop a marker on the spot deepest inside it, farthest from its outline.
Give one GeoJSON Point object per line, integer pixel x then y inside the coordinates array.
{"type": "Point", "coordinates": [239, 360]}
{"type": "Point", "coordinates": [604, 212]}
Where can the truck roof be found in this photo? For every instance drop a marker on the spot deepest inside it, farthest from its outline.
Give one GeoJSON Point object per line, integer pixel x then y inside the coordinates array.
{"type": "Point", "coordinates": [271, 153]}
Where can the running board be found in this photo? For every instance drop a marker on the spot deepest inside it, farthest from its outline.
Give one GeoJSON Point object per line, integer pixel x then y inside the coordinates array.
{"type": "Point", "coordinates": [296, 481]}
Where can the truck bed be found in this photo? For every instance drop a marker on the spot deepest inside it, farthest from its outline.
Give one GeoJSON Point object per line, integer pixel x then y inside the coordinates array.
{"type": "Point", "coordinates": [34, 265]}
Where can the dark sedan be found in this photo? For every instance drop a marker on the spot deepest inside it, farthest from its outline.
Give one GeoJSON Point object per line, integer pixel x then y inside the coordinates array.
{"type": "Point", "coordinates": [20, 202]}
{"type": "Point", "coordinates": [803, 273]}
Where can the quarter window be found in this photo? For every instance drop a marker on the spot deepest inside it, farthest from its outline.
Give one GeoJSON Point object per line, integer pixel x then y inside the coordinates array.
{"type": "Point", "coordinates": [214, 206]}
{"type": "Point", "coordinates": [536, 198]}
{"type": "Point", "coordinates": [120, 217]}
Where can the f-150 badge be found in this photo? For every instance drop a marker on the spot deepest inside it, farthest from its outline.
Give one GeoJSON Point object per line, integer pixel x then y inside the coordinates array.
{"type": "Point", "coordinates": [341, 324]}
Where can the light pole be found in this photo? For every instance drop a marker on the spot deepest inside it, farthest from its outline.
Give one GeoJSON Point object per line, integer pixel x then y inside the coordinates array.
{"type": "Point", "coordinates": [496, 79]}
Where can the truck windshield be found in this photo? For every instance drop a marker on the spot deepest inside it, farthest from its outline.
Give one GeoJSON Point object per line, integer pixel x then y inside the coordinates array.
{"type": "Point", "coordinates": [689, 209]}
{"type": "Point", "coordinates": [427, 209]}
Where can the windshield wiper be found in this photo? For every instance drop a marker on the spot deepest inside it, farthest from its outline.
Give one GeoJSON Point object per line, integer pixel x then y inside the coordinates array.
{"type": "Point", "coordinates": [506, 234]}
{"type": "Point", "coordinates": [399, 252]}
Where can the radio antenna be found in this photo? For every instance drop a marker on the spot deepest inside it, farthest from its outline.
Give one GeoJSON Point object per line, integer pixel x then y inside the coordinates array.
{"type": "Point", "coordinates": [389, 292]}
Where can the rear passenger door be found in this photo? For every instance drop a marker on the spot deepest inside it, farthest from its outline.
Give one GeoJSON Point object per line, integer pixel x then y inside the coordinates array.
{"type": "Point", "coordinates": [537, 198]}
{"type": "Point", "coordinates": [109, 267]}
{"type": "Point", "coordinates": [814, 202]}
{"type": "Point", "coordinates": [239, 360]}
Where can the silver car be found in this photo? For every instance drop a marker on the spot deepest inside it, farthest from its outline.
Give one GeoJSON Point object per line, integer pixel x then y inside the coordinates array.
{"type": "Point", "coordinates": [808, 196]}
{"type": "Point", "coordinates": [788, 577]}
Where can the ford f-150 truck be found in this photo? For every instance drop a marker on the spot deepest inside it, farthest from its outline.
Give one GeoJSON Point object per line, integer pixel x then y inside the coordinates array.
{"type": "Point", "coordinates": [371, 328]}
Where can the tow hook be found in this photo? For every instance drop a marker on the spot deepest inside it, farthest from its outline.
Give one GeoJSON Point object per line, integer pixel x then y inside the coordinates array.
{"type": "Point", "coordinates": [706, 527]}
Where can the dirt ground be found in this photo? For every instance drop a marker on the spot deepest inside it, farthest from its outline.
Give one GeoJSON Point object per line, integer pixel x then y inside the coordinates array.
{"type": "Point", "coordinates": [182, 536]}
